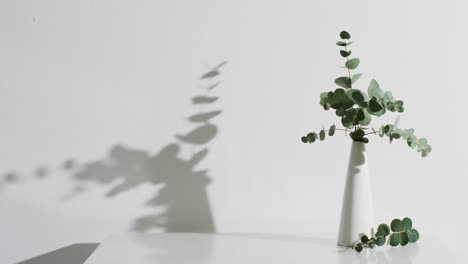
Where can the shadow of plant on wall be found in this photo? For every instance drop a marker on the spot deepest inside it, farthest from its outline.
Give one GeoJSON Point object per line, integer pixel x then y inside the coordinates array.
{"type": "Point", "coordinates": [182, 187]}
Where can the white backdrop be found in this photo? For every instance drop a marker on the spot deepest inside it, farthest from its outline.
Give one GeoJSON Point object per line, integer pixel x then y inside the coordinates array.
{"type": "Point", "coordinates": [82, 81]}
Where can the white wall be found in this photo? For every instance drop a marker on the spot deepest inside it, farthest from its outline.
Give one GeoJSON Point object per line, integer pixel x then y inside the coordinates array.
{"type": "Point", "coordinates": [81, 77]}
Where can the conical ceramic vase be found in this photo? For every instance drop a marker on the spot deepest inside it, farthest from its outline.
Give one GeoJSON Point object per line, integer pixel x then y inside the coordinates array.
{"type": "Point", "coordinates": [357, 214]}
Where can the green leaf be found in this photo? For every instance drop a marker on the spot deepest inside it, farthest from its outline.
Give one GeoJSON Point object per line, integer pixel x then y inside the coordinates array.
{"type": "Point", "coordinates": [396, 225]}
{"type": "Point", "coordinates": [304, 139]}
{"type": "Point", "coordinates": [374, 90]}
{"type": "Point", "coordinates": [347, 121]}
{"type": "Point", "coordinates": [388, 129]}
{"type": "Point", "coordinates": [357, 135]}
{"type": "Point", "coordinates": [344, 82]}
{"type": "Point", "coordinates": [363, 117]}
{"type": "Point", "coordinates": [356, 77]}
{"type": "Point", "coordinates": [374, 106]}
{"type": "Point", "coordinates": [322, 135]}
{"type": "Point", "coordinates": [323, 98]}
{"type": "Point", "coordinates": [358, 247]}
{"type": "Point", "coordinates": [404, 238]}
{"type": "Point", "coordinates": [388, 97]}
{"type": "Point", "coordinates": [422, 142]}
{"type": "Point", "coordinates": [383, 230]}
{"type": "Point", "coordinates": [348, 118]}
{"type": "Point", "coordinates": [395, 239]}
{"type": "Point", "coordinates": [339, 99]}
{"type": "Point", "coordinates": [352, 63]}
{"type": "Point", "coordinates": [342, 43]}
{"type": "Point", "coordinates": [357, 96]}
{"type": "Point", "coordinates": [312, 136]}
{"type": "Point", "coordinates": [411, 142]}
{"type": "Point", "coordinates": [331, 131]}
{"type": "Point", "coordinates": [425, 152]}
{"type": "Point", "coordinates": [381, 131]}
{"type": "Point", "coordinates": [345, 53]}
{"type": "Point", "coordinates": [345, 35]}
{"type": "Point", "coordinates": [364, 239]}
{"type": "Point", "coordinates": [380, 241]}
{"type": "Point", "coordinates": [413, 235]}
{"type": "Point", "coordinates": [340, 112]}
{"type": "Point", "coordinates": [407, 223]}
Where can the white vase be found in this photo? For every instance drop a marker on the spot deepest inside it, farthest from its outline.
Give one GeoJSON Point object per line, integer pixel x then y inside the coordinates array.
{"type": "Point", "coordinates": [357, 214]}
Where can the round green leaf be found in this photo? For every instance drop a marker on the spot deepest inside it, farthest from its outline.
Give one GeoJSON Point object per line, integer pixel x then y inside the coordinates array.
{"type": "Point", "coordinates": [358, 247]}
{"type": "Point", "coordinates": [404, 238]}
{"type": "Point", "coordinates": [322, 135]}
{"type": "Point", "coordinates": [356, 77]}
{"type": "Point", "coordinates": [396, 225]}
{"type": "Point", "coordinates": [345, 53]}
{"type": "Point", "coordinates": [381, 131]}
{"type": "Point", "coordinates": [374, 106]}
{"type": "Point", "coordinates": [304, 139]}
{"type": "Point", "coordinates": [374, 90]}
{"type": "Point", "coordinates": [411, 142]}
{"type": "Point", "coordinates": [352, 63]}
{"type": "Point", "coordinates": [323, 98]}
{"type": "Point", "coordinates": [363, 117]}
{"type": "Point", "coordinates": [340, 112]}
{"type": "Point", "coordinates": [358, 96]}
{"type": "Point", "coordinates": [312, 137]}
{"type": "Point", "coordinates": [388, 97]}
{"type": "Point", "coordinates": [380, 241]}
{"type": "Point", "coordinates": [424, 153]}
{"type": "Point", "coordinates": [341, 99]}
{"type": "Point", "coordinates": [347, 121]}
{"type": "Point", "coordinates": [364, 239]}
{"type": "Point", "coordinates": [344, 82]}
{"type": "Point", "coordinates": [413, 235]}
{"type": "Point", "coordinates": [407, 223]}
{"type": "Point", "coordinates": [395, 239]}
{"type": "Point", "coordinates": [351, 112]}
{"type": "Point", "coordinates": [345, 35]}
{"type": "Point", "coordinates": [357, 135]}
{"type": "Point", "coordinates": [383, 230]}
{"type": "Point", "coordinates": [331, 131]}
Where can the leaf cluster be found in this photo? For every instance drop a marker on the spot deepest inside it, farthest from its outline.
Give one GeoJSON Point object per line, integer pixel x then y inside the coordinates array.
{"type": "Point", "coordinates": [313, 136]}
{"type": "Point", "coordinates": [356, 107]}
{"type": "Point", "coordinates": [400, 232]}
{"type": "Point", "coordinates": [393, 132]}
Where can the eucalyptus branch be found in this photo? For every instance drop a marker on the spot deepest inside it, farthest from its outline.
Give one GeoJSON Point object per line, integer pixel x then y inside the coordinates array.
{"type": "Point", "coordinates": [356, 107]}
{"type": "Point", "coordinates": [400, 232]}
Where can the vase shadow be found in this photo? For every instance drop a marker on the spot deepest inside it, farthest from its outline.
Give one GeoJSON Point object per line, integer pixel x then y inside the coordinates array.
{"type": "Point", "coordinates": [182, 186]}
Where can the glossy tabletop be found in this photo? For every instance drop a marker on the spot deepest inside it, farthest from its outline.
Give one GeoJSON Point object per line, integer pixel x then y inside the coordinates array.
{"type": "Point", "coordinates": [181, 248]}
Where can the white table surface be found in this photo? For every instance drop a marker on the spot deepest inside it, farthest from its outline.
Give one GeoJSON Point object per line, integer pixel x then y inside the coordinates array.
{"type": "Point", "coordinates": [182, 248]}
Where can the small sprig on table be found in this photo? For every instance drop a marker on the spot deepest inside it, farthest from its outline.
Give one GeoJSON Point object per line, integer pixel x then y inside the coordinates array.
{"type": "Point", "coordinates": [400, 232]}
